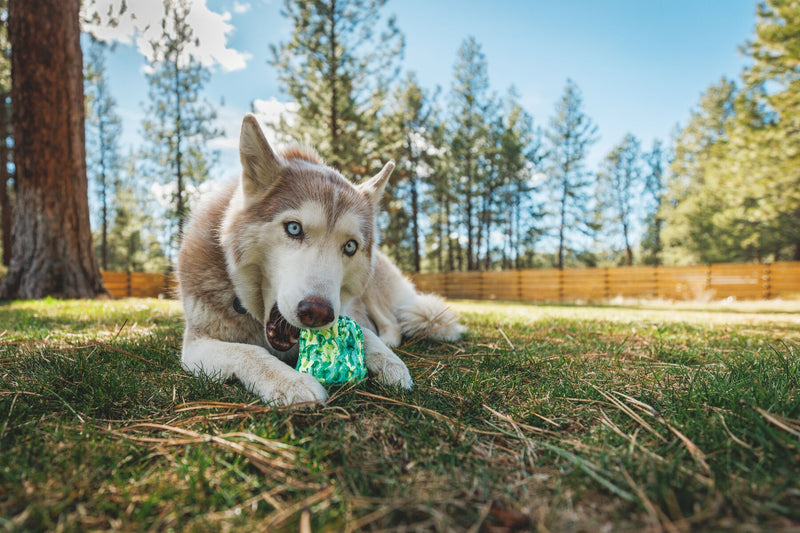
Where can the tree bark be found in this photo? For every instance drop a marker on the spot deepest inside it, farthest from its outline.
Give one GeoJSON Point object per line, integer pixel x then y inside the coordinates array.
{"type": "Point", "coordinates": [415, 223]}
{"type": "Point", "coordinates": [52, 251]}
{"type": "Point", "coordinates": [6, 209]}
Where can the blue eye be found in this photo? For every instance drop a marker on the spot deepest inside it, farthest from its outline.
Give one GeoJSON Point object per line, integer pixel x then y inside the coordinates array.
{"type": "Point", "coordinates": [350, 248]}
{"type": "Point", "coordinates": [294, 229]}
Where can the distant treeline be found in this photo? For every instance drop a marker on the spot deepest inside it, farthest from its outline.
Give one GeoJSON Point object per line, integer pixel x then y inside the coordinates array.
{"type": "Point", "coordinates": [480, 183]}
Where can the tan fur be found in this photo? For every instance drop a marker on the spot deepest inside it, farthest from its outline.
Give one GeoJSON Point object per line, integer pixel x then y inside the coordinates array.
{"type": "Point", "coordinates": [237, 246]}
{"type": "Point", "coordinates": [305, 153]}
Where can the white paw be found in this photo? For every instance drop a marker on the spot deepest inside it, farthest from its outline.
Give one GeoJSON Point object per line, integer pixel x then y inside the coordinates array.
{"type": "Point", "coordinates": [384, 363]}
{"type": "Point", "coordinates": [395, 373]}
{"type": "Point", "coordinates": [295, 388]}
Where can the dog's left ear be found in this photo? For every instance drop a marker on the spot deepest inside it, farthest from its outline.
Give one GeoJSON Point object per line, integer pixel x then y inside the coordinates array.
{"type": "Point", "coordinates": [374, 186]}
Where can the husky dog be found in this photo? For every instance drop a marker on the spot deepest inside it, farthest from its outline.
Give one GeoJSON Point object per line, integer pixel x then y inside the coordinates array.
{"type": "Point", "coordinates": [291, 245]}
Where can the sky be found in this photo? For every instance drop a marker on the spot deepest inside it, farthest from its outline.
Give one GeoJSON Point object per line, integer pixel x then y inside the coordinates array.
{"type": "Point", "coordinates": [641, 65]}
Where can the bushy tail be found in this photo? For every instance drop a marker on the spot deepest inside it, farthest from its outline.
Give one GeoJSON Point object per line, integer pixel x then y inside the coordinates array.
{"type": "Point", "coordinates": [427, 315]}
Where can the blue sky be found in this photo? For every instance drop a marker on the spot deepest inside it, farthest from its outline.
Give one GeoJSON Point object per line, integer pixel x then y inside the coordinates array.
{"type": "Point", "coordinates": [641, 65]}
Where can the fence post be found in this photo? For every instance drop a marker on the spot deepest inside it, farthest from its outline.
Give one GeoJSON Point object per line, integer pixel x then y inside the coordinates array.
{"type": "Point", "coordinates": [128, 284]}
{"type": "Point", "coordinates": [606, 284]}
{"type": "Point", "coordinates": [560, 284]}
{"type": "Point", "coordinates": [655, 282]}
{"type": "Point", "coordinates": [766, 282]}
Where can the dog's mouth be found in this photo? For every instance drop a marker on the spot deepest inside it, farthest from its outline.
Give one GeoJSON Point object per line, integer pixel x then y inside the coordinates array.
{"type": "Point", "coordinates": [281, 335]}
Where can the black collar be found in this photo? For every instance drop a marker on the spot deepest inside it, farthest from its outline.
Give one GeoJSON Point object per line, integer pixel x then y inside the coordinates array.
{"type": "Point", "coordinates": [238, 307]}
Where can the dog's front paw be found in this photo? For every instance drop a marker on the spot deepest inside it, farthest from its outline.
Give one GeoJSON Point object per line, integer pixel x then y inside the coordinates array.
{"type": "Point", "coordinates": [294, 388]}
{"type": "Point", "coordinates": [396, 373]}
{"type": "Point", "coordinates": [389, 369]}
{"type": "Point", "coordinates": [384, 363]}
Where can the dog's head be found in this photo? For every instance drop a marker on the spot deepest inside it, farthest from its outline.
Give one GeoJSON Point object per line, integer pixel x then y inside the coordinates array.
{"type": "Point", "coordinates": [298, 237]}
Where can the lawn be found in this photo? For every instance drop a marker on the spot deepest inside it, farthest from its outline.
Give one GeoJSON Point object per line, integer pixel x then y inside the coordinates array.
{"type": "Point", "coordinates": [559, 418]}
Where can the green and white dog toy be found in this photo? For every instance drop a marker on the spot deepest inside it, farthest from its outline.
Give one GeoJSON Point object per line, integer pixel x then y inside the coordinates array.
{"type": "Point", "coordinates": [334, 356]}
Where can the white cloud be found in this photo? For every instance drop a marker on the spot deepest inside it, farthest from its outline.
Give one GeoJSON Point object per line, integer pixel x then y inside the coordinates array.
{"type": "Point", "coordinates": [141, 24]}
{"type": "Point", "coordinates": [241, 7]}
{"type": "Point", "coordinates": [230, 120]}
{"type": "Point", "coordinates": [269, 112]}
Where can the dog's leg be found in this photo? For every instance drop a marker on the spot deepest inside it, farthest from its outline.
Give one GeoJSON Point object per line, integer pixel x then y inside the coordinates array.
{"type": "Point", "coordinates": [384, 363]}
{"type": "Point", "coordinates": [273, 380]}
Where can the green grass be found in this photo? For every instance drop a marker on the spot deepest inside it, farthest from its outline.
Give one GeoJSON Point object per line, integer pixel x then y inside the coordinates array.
{"type": "Point", "coordinates": [560, 418]}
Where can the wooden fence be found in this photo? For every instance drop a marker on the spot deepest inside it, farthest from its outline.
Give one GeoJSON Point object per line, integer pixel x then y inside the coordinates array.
{"type": "Point", "coordinates": [743, 281]}
{"type": "Point", "coordinates": [139, 284]}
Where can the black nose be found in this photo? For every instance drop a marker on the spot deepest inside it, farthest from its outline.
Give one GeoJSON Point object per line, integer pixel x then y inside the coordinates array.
{"type": "Point", "coordinates": [314, 312]}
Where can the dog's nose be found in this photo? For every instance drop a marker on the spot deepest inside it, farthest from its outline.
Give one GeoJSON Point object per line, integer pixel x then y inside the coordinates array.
{"type": "Point", "coordinates": [314, 312]}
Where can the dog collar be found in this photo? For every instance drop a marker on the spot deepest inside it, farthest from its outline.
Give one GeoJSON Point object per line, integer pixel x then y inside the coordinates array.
{"type": "Point", "coordinates": [238, 307]}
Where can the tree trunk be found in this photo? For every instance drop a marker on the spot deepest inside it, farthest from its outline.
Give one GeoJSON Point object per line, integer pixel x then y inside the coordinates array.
{"type": "Point", "coordinates": [104, 195]}
{"type": "Point", "coordinates": [450, 259]}
{"type": "Point", "coordinates": [334, 110]}
{"type": "Point", "coordinates": [628, 249]}
{"type": "Point", "coordinates": [562, 228]}
{"type": "Point", "coordinates": [468, 201]}
{"type": "Point", "coordinates": [415, 223]}
{"type": "Point", "coordinates": [5, 177]}
{"type": "Point", "coordinates": [52, 252]}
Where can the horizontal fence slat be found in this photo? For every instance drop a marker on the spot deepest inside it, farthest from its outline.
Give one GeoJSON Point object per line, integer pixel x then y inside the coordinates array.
{"type": "Point", "coordinates": [137, 284]}
{"type": "Point", "coordinates": [784, 279]}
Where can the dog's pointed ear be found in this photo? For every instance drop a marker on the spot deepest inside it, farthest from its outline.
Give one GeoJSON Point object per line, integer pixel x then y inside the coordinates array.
{"type": "Point", "coordinates": [375, 186]}
{"type": "Point", "coordinates": [260, 165]}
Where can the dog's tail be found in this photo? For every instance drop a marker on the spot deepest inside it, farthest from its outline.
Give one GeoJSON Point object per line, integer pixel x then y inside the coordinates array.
{"type": "Point", "coordinates": [427, 315]}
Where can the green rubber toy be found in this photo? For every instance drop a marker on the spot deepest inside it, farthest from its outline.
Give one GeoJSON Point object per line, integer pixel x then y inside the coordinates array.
{"type": "Point", "coordinates": [334, 356]}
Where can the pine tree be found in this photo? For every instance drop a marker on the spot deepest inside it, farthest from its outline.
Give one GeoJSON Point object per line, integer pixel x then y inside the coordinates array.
{"type": "Point", "coordinates": [619, 187]}
{"type": "Point", "coordinates": [696, 193]}
{"type": "Point", "coordinates": [408, 133]}
{"type": "Point", "coordinates": [733, 194]}
{"type": "Point", "coordinates": [178, 123]}
{"type": "Point", "coordinates": [132, 241]}
{"type": "Point", "coordinates": [774, 81]}
{"type": "Point", "coordinates": [470, 116]}
{"type": "Point", "coordinates": [103, 130]}
{"type": "Point", "coordinates": [520, 156]}
{"type": "Point", "coordinates": [442, 241]}
{"type": "Point", "coordinates": [337, 68]}
{"type": "Point", "coordinates": [655, 187]}
{"type": "Point", "coordinates": [570, 136]}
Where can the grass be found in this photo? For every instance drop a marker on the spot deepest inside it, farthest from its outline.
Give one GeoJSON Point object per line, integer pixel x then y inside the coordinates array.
{"type": "Point", "coordinates": [561, 418]}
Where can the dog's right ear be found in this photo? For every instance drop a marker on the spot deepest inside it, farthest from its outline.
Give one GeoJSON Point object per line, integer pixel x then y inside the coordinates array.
{"type": "Point", "coordinates": [260, 165]}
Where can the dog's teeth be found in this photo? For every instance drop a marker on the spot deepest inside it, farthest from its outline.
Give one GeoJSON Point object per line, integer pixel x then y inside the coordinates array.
{"type": "Point", "coordinates": [293, 340]}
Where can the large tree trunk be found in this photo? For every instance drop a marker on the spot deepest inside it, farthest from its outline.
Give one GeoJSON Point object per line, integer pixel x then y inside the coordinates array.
{"type": "Point", "coordinates": [5, 177]}
{"type": "Point", "coordinates": [52, 251]}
